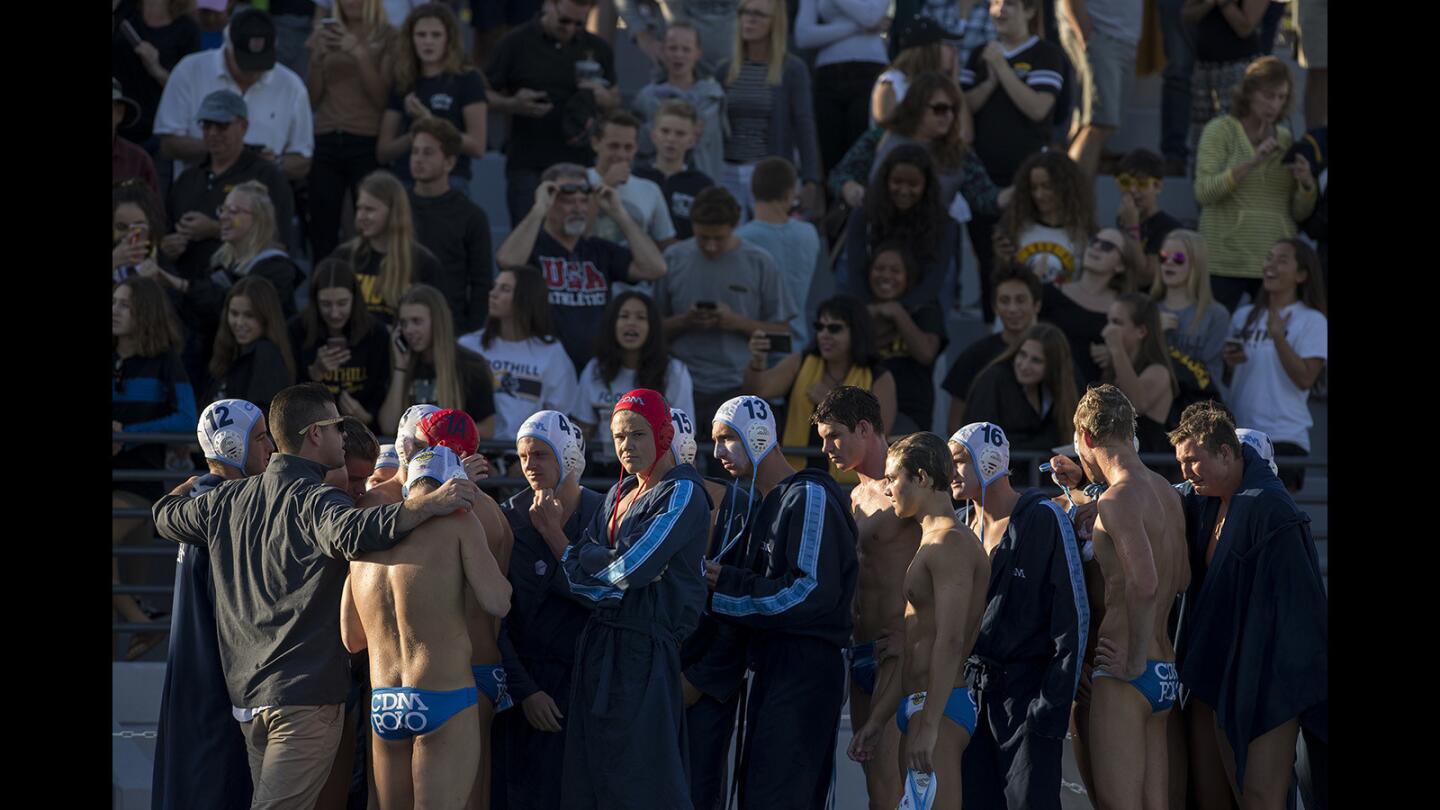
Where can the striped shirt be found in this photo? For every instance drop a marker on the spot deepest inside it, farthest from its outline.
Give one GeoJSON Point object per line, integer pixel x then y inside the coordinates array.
{"type": "Point", "coordinates": [1241, 221]}
{"type": "Point", "coordinates": [748, 103]}
{"type": "Point", "coordinates": [974, 29]}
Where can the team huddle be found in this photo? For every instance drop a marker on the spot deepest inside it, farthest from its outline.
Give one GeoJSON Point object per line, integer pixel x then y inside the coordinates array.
{"type": "Point", "coordinates": [570, 649]}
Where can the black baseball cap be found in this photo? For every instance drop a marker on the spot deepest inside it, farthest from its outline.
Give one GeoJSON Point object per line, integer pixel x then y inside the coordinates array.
{"type": "Point", "coordinates": [921, 31]}
{"type": "Point", "coordinates": [252, 36]}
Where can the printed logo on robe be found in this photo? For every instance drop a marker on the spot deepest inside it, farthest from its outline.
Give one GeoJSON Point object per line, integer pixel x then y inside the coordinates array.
{"type": "Point", "coordinates": [1018, 573]}
{"type": "Point", "coordinates": [441, 102]}
{"type": "Point", "coordinates": [680, 205]}
{"type": "Point", "coordinates": [574, 284]}
{"type": "Point", "coordinates": [540, 567]}
{"type": "Point", "coordinates": [1051, 262]}
{"type": "Point", "coordinates": [392, 712]}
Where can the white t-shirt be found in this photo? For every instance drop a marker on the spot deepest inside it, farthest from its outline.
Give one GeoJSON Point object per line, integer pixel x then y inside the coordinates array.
{"type": "Point", "coordinates": [278, 104]}
{"type": "Point", "coordinates": [1262, 395]}
{"type": "Point", "coordinates": [1050, 253]}
{"type": "Point", "coordinates": [529, 376]}
{"type": "Point", "coordinates": [595, 399]}
{"type": "Point", "coordinates": [644, 202]}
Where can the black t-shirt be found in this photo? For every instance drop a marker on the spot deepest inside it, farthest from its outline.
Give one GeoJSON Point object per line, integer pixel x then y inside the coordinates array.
{"type": "Point", "coordinates": [364, 376]}
{"type": "Point", "coordinates": [579, 284]}
{"type": "Point", "coordinates": [1005, 136]}
{"type": "Point", "coordinates": [914, 391]}
{"type": "Point", "coordinates": [1081, 326]}
{"type": "Point", "coordinates": [458, 233]}
{"type": "Point", "coordinates": [997, 397]}
{"type": "Point", "coordinates": [445, 95]}
{"type": "Point", "coordinates": [426, 270]}
{"type": "Point", "coordinates": [477, 385]}
{"type": "Point", "coordinates": [1216, 41]}
{"type": "Point", "coordinates": [1153, 230]}
{"type": "Point", "coordinates": [175, 41]}
{"type": "Point", "coordinates": [970, 363]}
{"type": "Point", "coordinates": [257, 375]}
{"type": "Point", "coordinates": [527, 57]}
{"type": "Point", "coordinates": [680, 189]}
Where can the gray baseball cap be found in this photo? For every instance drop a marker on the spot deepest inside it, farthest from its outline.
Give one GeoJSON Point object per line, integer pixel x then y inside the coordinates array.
{"type": "Point", "coordinates": [222, 106]}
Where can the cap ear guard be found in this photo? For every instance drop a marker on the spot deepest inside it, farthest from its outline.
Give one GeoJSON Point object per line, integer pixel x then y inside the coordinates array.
{"type": "Point", "coordinates": [224, 431]}
{"type": "Point", "coordinates": [683, 446]}
{"type": "Point", "coordinates": [561, 435]}
{"type": "Point", "coordinates": [989, 449]}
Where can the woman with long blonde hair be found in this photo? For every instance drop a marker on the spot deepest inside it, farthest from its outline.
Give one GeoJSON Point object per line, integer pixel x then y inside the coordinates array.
{"type": "Point", "coordinates": [384, 254]}
{"type": "Point", "coordinates": [1195, 324]}
{"type": "Point", "coordinates": [768, 105]}
{"type": "Point", "coordinates": [428, 366]}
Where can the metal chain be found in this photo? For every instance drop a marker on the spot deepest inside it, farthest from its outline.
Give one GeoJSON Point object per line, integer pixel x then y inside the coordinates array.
{"type": "Point", "coordinates": [126, 735]}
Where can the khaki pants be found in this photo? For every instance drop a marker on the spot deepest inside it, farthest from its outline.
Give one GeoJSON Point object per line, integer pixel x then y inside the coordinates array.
{"type": "Point", "coordinates": [291, 750]}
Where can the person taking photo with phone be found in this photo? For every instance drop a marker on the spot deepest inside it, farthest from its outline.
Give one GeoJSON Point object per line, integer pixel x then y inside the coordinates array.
{"type": "Point", "coordinates": [337, 344]}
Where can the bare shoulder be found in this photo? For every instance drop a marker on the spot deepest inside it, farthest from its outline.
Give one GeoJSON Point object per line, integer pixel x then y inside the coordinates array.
{"type": "Point", "coordinates": [957, 546]}
{"type": "Point", "coordinates": [382, 494]}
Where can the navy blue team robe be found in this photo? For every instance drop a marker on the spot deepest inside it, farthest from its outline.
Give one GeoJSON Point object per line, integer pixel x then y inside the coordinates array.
{"type": "Point", "coordinates": [793, 591]}
{"type": "Point", "coordinates": [1026, 661]}
{"type": "Point", "coordinates": [1253, 643]}
{"type": "Point", "coordinates": [713, 659]}
{"type": "Point", "coordinates": [200, 755]}
{"type": "Point", "coordinates": [537, 644]}
{"type": "Point", "coordinates": [625, 742]}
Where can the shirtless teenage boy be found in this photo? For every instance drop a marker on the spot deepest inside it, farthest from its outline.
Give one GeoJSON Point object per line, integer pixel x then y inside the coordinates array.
{"type": "Point", "coordinates": [848, 420]}
{"type": "Point", "coordinates": [1139, 542]}
{"type": "Point", "coordinates": [421, 667]}
{"type": "Point", "coordinates": [945, 595]}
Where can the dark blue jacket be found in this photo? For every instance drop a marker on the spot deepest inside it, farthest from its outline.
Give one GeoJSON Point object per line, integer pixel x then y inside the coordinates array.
{"type": "Point", "coordinates": [713, 657]}
{"type": "Point", "coordinates": [798, 573]}
{"type": "Point", "coordinates": [1254, 640]}
{"type": "Point", "coordinates": [543, 623]}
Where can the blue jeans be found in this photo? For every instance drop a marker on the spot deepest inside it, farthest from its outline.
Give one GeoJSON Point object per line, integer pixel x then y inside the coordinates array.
{"type": "Point", "coordinates": [1179, 64]}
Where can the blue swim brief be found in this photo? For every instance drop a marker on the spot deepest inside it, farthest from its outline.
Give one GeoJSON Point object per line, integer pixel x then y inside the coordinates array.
{"type": "Point", "coordinates": [863, 667]}
{"type": "Point", "coordinates": [960, 708]}
{"type": "Point", "coordinates": [490, 679]}
{"type": "Point", "coordinates": [1159, 683]}
{"type": "Point", "coordinates": [400, 712]}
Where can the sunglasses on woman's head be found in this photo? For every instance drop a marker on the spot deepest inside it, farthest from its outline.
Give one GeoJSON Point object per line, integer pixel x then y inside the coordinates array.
{"type": "Point", "coordinates": [832, 328]}
{"type": "Point", "coordinates": [1103, 245]}
{"type": "Point", "coordinates": [942, 109]}
{"type": "Point", "coordinates": [1178, 257]}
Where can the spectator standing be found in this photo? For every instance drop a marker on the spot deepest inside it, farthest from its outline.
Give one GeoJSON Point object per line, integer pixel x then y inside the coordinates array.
{"type": "Point", "coordinates": [251, 359]}
{"type": "Point", "coordinates": [294, 21]}
{"type": "Point", "coordinates": [349, 81]}
{"type": "Point", "coordinates": [127, 161]}
{"type": "Point", "coordinates": [1100, 37]}
{"type": "Point", "coordinates": [969, 21]}
{"type": "Point", "coordinates": [768, 105]}
{"type": "Point", "coordinates": [933, 119]}
{"type": "Point", "coordinates": [684, 81]}
{"type": "Point", "coordinates": [1081, 309]}
{"type": "Point", "coordinates": [793, 243]}
{"type": "Point", "coordinates": [719, 290]}
{"type": "Point", "coordinates": [1017, 307]}
{"type": "Point", "coordinates": [921, 48]}
{"type": "Point", "coordinates": [286, 670]}
{"type": "Point", "coordinates": [614, 143]}
{"type": "Point", "coordinates": [431, 81]}
{"type": "Point", "coordinates": [384, 253]}
{"type": "Point", "coordinates": [714, 21]}
{"type": "Point", "coordinates": [1175, 100]}
{"type": "Point", "coordinates": [1248, 198]}
{"type": "Point", "coordinates": [579, 270]}
{"type": "Point", "coordinates": [908, 338]}
{"type": "Point", "coordinates": [1032, 387]}
{"type": "Point", "coordinates": [850, 58]}
{"type": "Point", "coordinates": [1227, 40]}
{"type": "Point", "coordinates": [197, 195]}
{"type": "Point", "coordinates": [166, 32]}
{"type": "Point", "coordinates": [453, 228]}
{"type": "Point", "coordinates": [529, 366]}
{"type": "Point", "coordinates": [1140, 177]}
{"type": "Point", "coordinates": [674, 134]}
{"type": "Point", "coordinates": [1195, 324]}
{"type": "Point", "coordinates": [1136, 361]}
{"type": "Point", "coordinates": [1284, 345]}
{"type": "Point", "coordinates": [843, 353]}
{"type": "Point", "coordinates": [553, 79]}
{"type": "Point", "coordinates": [428, 366]}
{"type": "Point", "coordinates": [630, 352]}
{"type": "Point", "coordinates": [1051, 215]}
{"type": "Point", "coordinates": [278, 104]}
{"type": "Point", "coordinates": [491, 20]}
{"type": "Point", "coordinates": [338, 344]}
{"type": "Point", "coordinates": [1312, 20]}
{"type": "Point", "coordinates": [1011, 86]}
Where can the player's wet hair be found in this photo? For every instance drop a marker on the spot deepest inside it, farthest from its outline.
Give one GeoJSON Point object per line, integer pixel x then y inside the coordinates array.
{"type": "Point", "coordinates": [1210, 424]}
{"type": "Point", "coordinates": [1107, 415]}
{"type": "Point", "coordinates": [849, 405]}
{"type": "Point", "coordinates": [359, 441]}
{"type": "Point", "coordinates": [928, 452]}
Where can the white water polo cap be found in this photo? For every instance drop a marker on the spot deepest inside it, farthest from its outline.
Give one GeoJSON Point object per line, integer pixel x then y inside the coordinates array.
{"type": "Point", "coordinates": [989, 449]}
{"type": "Point", "coordinates": [439, 464]}
{"type": "Point", "coordinates": [682, 447]}
{"type": "Point", "coordinates": [1261, 444]}
{"type": "Point", "coordinates": [750, 417]}
{"type": "Point", "coordinates": [388, 457]}
{"type": "Point", "coordinates": [224, 431]}
{"type": "Point", "coordinates": [563, 437]}
{"type": "Point", "coordinates": [405, 433]}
